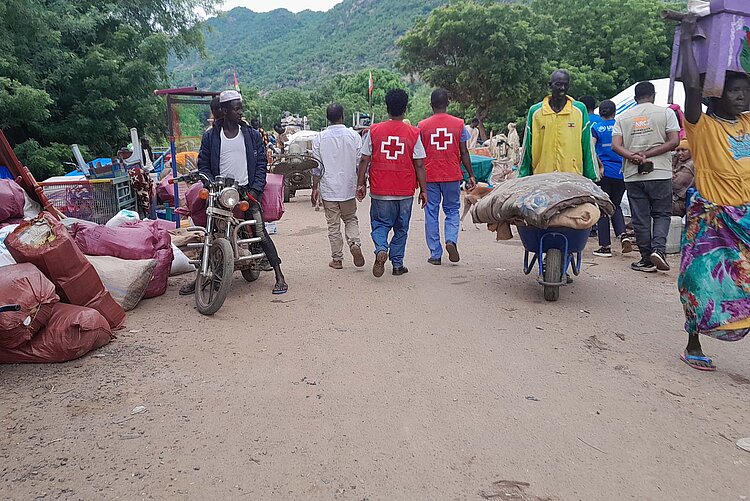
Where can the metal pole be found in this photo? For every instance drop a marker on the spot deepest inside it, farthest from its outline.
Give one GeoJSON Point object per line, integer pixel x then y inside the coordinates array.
{"type": "Point", "coordinates": [173, 151]}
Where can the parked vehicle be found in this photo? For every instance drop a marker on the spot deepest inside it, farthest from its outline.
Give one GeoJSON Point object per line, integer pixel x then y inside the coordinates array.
{"type": "Point", "coordinates": [229, 242]}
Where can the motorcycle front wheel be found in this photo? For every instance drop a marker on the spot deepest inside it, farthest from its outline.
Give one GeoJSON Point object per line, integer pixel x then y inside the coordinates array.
{"type": "Point", "coordinates": [212, 289]}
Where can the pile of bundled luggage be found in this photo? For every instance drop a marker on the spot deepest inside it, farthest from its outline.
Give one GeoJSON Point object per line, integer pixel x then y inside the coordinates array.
{"type": "Point", "coordinates": [549, 200]}
{"type": "Point", "coordinates": [74, 280]}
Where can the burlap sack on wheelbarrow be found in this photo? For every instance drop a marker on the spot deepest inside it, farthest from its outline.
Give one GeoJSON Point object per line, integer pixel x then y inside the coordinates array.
{"type": "Point", "coordinates": [542, 200]}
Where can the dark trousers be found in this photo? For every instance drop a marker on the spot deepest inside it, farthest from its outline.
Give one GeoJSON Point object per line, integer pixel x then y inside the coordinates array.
{"type": "Point", "coordinates": [269, 249]}
{"type": "Point", "coordinates": [256, 212]}
{"type": "Point", "coordinates": [615, 188]}
{"type": "Point", "coordinates": [651, 210]}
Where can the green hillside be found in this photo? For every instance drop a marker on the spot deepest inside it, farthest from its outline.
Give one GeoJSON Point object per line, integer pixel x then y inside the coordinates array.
{"type": "Point", "coordinates": [278, 49]}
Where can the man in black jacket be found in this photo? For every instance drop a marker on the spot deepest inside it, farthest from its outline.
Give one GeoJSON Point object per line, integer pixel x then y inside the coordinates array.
{"type": "Point", "coordinates": [233, 149]}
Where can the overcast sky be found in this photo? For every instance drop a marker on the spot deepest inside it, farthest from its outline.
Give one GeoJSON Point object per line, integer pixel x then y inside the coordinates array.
{"type": "Point", "coordinates": [292, 5]}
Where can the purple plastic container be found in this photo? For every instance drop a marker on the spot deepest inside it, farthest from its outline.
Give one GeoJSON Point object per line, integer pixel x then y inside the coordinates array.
{"type": "Point", "coordinates": [724, 46]}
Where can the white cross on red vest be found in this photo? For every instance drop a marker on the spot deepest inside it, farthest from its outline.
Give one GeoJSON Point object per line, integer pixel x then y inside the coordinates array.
{"type": "Point", "coordinates": [441, 139]}
{"type": "Point", "coordinates": [392, 148]}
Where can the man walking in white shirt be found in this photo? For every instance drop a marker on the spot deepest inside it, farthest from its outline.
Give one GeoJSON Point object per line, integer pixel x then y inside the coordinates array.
{"type": "Point", "coordinates": [336, 148]}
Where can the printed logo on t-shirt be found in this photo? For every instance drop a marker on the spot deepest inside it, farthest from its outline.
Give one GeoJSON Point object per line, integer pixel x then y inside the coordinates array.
{"type": "Point", "coordinates": [642, 126]}
{"type": "Point", "coordinates": [441, 139]}
{"type": "Point", "coordinates": [392, 148]}
{"type": "Point", "coordinates": [740, 146]}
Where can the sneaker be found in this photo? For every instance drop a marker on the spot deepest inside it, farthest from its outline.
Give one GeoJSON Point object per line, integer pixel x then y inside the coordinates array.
{"type": "Point", "coordinates": [336, 265]}
{"type": "Point", "coordinates": [359, 259]}
{"type": "Point", "coordinates": [435, 260]}
{"type": "Point", "coordinates": [644, 266]}
{"type": "Point", "coordinates": [659, 259]}
{"type": "Point", "coordinates": [603, 252]}
{"type": "Point", "coordinates": [400, 270]}
{"type": "Point", "coordinates": [452, 250]}
{"type": "Point", "coordinates": [627, 245]}
{"type": "Point", "coordinates": [378, 267]}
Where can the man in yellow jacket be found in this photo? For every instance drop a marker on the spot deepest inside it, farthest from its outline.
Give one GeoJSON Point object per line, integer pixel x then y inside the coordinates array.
{"type": "Point", "coordinates": [558, 134]}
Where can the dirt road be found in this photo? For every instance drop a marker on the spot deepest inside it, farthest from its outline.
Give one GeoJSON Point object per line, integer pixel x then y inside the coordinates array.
{"type": "Point", "coordinates": [455, 382]}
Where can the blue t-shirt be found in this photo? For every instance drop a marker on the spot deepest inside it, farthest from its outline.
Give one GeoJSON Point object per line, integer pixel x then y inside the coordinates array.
{"type": "Point", "coordinates": [602, 132]}
{"type": "Point", "coordinates": [594, 118]}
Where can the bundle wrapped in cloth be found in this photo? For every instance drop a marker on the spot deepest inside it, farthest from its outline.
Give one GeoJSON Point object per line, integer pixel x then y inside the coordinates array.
{"type": "Point", "coordinates": [543, 200]}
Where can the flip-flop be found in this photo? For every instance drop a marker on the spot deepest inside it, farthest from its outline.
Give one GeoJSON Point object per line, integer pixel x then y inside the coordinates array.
{"type": "Point", "coordinates": [280, 291]}
{"type": "Point", "coordinates": [688, 359]}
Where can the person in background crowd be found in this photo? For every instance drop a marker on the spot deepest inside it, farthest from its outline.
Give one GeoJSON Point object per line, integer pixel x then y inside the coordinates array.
{"type": "Point", "coordinates": [147, 152]}
{"type": "Point", "coordinates": [444, 138]}
{"type": "Point", "coordinates": [590, 104]}
{"type": "Point", "coordinates": [255, 124]}
{"type": "Point", "coordinates": [610, 164]}
{"type": "Point", "coordinates": [715, 268]}
{"type": "Point", "coordinates": [281, 137]}
{"type": "Point", "coordinates": [395, 154]}
{"type": "Point", "coordinates": [683, 178]}
{"type": "Point", "coordinates": [336, 148]}
{"type": "Point", "coordinates": [558, 134]}
{"type": "Point", "coordinates": [473, 130]}
{"type": "Point", "coordinates": [232, 149]}
{"type": "Point", "coordinates": [680, 118]}
{"type": "Point", "coordinates": [644, 136]}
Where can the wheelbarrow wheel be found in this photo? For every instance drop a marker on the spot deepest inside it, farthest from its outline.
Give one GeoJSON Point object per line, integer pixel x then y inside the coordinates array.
{"type": "Point", "coordinates": [552, 273]}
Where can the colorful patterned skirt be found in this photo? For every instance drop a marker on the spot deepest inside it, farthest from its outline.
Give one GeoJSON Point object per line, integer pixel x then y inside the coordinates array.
{"type": "Point", "coordinates": [714, 280]}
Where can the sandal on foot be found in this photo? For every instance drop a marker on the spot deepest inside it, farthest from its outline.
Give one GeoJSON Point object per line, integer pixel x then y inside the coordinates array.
{"type": "Point", "coordinates": [280, 288]}
{"type": "Point", "coordinates": [691, 359]}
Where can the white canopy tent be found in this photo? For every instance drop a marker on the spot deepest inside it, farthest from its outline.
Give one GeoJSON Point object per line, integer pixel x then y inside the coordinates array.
{"type": "Point", "coordinates": [626, 99]}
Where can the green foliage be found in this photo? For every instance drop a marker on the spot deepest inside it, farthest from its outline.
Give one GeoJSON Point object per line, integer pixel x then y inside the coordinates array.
{"type": "Point", "coordinates": [489, 56]}
{"type": "Point", "coordinates": [47, 161]}
{"type": "Point", "coordinates": [279, 49]}
{"type": "Point", "coordinates": [83, 71]}
{"type": "Point", "coordinates": [611, 44]}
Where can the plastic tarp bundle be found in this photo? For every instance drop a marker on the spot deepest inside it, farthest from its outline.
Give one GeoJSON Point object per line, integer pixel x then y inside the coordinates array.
{"type": "Point", "coordinates": [127, 281]}
{"type": "Point", "coordinates": [25, 285]}
{"type": "Point", "coordinates": [12, 200]}
{"type": "Point", "coordinates": [45, 243]}
{"type": "Point", "coordinates": [71, 332]}
{"type": "Point", "coordinates": [136, 240]}
{"type": "Point", "coordinates": [535, 200]}
{"type": "Point", "coordinates": [5, 257]}
{"type": "Point", "coordinates": [272, 202]}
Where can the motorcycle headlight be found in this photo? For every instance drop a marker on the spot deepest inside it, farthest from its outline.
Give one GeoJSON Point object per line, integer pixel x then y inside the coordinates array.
{"type": "Point", "coordinates": [229, 197]}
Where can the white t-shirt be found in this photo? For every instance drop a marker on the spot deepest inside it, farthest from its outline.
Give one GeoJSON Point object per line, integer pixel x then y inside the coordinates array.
{"type": "Point", "coordinates": [337, 148]}
{"type": "Point", "coordinates": [233, 158]}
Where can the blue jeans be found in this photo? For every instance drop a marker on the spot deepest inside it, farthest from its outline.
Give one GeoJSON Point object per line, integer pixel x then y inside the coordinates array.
{"type": "Point", "coordinates": [450, 194]}
{"type": "Point", "coordinates": [387, 215]}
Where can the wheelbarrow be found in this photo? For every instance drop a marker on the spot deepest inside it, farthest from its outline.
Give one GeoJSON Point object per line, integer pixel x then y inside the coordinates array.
{"type": "Point", "coordinates": [555, 250]}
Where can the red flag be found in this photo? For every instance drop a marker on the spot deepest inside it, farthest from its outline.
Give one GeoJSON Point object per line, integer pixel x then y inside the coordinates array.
{"type": "Point", "coordinates": [371, 85]}
{"type": "Point", "coordinates": [236, 82]}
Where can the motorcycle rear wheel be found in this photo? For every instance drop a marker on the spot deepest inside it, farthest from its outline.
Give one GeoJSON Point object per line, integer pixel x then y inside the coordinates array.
{"type": "Point", "coordinates": [212, 291]}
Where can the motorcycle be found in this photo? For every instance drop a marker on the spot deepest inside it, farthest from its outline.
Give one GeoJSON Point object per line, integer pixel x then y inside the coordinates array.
{"type": "Point", "coordinates": [230, 243]}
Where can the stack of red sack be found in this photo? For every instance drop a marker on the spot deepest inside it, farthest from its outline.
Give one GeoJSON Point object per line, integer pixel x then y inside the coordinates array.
{"type": "Point", "coordinates": [52, 268]}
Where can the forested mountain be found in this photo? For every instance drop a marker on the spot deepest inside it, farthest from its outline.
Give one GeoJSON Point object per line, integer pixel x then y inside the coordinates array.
{"type": "Point", "coordinates": [277, 49]}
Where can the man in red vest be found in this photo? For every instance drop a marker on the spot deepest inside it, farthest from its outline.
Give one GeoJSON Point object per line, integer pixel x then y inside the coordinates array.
{"type": "Point", "coordinates": [444, 138]}
{"type": "Point", "coordinates": [395, 154]}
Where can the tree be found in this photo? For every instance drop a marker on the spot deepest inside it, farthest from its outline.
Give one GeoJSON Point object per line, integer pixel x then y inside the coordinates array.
{"type": "Point", "coordinates": [491, 57]}
{"type": "Point", "coordinates": [611, 44]}
{"type": "Point", "coordinates": [83, 71]}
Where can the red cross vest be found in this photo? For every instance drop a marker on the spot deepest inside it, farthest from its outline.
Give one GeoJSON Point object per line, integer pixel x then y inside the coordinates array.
{"type": "Point", "coordinates": [391, 166]}
{"type": "Point", "coordinates": [441, 137]}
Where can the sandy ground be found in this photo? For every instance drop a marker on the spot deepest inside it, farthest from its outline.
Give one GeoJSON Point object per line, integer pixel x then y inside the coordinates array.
{"type": "Point", "coordinates": [456, 382]}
